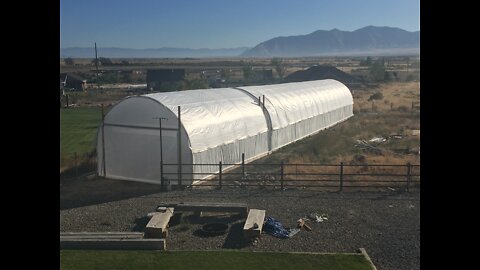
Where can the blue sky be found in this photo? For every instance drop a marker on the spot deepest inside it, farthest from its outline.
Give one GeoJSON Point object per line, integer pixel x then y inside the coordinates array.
{"type": "Point", "coordinates": [220, 23]}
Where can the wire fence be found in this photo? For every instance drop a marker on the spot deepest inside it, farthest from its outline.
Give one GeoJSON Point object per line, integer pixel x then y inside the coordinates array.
{"type": "Point", "coordinates": [76, 165]}
{"type": "Point", "coordinates": [330, 177]}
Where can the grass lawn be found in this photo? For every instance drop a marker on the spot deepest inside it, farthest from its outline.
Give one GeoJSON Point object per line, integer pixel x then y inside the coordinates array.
{"type": "Point", "coordinates": [208, 260]}
{"type": "Point", "coordinates": [78, 127]}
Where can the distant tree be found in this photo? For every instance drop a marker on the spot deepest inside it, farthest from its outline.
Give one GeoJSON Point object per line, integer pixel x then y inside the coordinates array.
{"type": "Point", "coordinates": [395, 75]}
{"type": "Point", "coordinates": [367, 62]}
{"type": "Point", "coordinates": [377, 95]}
{"type": "Point", "coordinates": [109, 78]}
{"type": "Point", "coordinates": [377, 70]}
{"type": "Point", "coordinates": [225, 73]}
{"type": "Point", "coordinates": [279, 66]}
{"type": "Point", "coordinates": [103, 61]}
{"type": "Point", "coordinates": [125, 63]}
{"type": "Point", "coordinates": [195, 84]}
{"type": "Point", "coordinates": [387, 76]}
{"type": "Point", "coordinates": [247, 72]}
{"type": "Point", "coordinates": [172, 86]}
{"type": "Point", "coordinates": [410, 78]}
{"type": "Point", "coordinates": [69, 61]}
{"type": "Point", "coordinates": [127, 78]}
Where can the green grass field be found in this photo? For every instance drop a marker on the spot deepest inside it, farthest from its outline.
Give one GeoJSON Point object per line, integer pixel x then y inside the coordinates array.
{"type": "Point", "coordinates": [207, 260]}
{"type": "Point", "coordinates": [78, 127]}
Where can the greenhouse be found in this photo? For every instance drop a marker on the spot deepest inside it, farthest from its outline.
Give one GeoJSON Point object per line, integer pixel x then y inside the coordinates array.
{"type": "Point", "coordinates": [192, 131]}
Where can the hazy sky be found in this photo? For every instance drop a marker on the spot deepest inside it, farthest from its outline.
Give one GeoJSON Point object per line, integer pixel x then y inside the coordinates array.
{"type": "Point", "coordinates": [220, 23]}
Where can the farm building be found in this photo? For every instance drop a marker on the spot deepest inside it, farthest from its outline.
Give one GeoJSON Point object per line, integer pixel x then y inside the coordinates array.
{"type": "Point", "coordinates": [155, 77]}
{"type": "Point", "coordinates": [211, 125]}
{"type": "Point", "coordinates": [323, 72]}
{"type": "Point", "coordinates": [72, 82]}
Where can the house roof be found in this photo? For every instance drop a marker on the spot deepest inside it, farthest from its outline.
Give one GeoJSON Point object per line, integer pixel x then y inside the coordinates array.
{"type": "Point", "coordinates": [71, 76]}
{"type": "Point", "coordinates": [321, 73]}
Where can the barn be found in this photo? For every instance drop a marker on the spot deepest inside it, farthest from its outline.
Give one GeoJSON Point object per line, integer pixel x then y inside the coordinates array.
{"type": "Point", "coordinates": [198, 127]}
{"type": "Point", "coordinates": [155, 77]}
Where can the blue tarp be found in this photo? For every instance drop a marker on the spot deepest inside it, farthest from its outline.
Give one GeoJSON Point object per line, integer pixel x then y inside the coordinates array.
{"type": "Point", "coordinates": [275, 228]}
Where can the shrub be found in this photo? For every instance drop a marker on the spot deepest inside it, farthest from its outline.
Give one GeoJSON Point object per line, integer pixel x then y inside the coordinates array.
{"type": "Point", "coordinates": [402, 108]}
{"type": "Point", "coordinates": [410, 78]}
{"type": "Point", "coordinates": [377, 95]}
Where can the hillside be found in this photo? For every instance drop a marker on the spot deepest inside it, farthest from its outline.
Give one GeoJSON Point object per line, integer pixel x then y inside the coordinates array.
{"type": "Point", "coordinates": [368, 40]}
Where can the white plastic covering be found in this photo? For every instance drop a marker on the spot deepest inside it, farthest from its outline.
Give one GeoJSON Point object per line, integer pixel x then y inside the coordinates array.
{"type": "Point", "coordinates": [221, 125]}
{"type": "Point", "coordinates": [132, 144]}
{"type": "Point", "coordinates": [216, 125]}
{"type": "Point", "coordinates": [213, 117]}
{"type": "Point", "coordinates": [300, 109]}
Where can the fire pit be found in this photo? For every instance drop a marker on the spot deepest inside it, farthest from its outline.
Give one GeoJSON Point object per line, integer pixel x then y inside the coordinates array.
{"type": "Point", "coordinates": [214, 229]}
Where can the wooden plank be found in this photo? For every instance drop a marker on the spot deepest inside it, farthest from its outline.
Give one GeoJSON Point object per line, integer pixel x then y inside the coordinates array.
{"type": "Point", "coordinates": [132, 235]}
{"type": "Point", "coordinates": [90, 236]}
{"type": "Point", "coordinates": [113, 244]}
{"type": "Point", "coordinates": [157, 226]}
{"type": "Point", "coordinates": [255, 216]}
{"type": "Point", "coordinates": [241, 208]}
{"type": "Point", "coordinates": [101, 235]}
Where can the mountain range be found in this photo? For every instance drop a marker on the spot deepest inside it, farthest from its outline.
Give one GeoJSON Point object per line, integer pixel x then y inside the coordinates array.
{"type": "Point", "coordinates": [367, 40]}
{"type": "Point", "coordinates": [370, 40]}
{"type": "Point", "coordinates": [165, 52]}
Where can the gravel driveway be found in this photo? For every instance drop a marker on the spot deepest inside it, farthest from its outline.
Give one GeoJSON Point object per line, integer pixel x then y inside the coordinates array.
{"type": "Point", "coordinates": [386, 224]}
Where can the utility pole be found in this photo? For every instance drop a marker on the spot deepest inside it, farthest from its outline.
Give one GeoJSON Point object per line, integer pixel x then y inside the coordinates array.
{"type": "Point", "coordinates": [162, 185]}
{"type": "Point", "coordinates": [96, 66]}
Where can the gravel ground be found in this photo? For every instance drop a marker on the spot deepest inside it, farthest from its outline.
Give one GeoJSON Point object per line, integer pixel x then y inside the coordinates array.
{"type": "Point", "coordinates": [386, 224]}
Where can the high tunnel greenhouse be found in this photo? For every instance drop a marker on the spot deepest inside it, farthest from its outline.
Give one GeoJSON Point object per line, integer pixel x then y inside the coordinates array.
{"type": "Point", "coordinates": [209, 126]}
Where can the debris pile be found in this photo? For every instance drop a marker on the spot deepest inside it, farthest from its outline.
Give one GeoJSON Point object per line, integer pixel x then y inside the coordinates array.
{"type": "Point", "coordinates": [377, 140]}
{"type": "Point", "coordinates": [316, 217]}
{"type": "Point", "coordinates": [262, 180]}
{"type": "Point", "coordinates": [301, 224]}
{"type": "Point", "coordinates": [362, 144]}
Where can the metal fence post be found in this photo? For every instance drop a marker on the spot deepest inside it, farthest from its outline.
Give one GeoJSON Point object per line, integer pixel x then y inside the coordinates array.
{"type": "Point", "coordinates": [104, 167]}
{"type": "Point", "coordinates": [409, 170]}
{"type": "Point", "coordinates": [296, 172]}
{"type": "Point", "coordinates": [220, 174]}
{"type": "Point", "coordinates": [95, 164]}
{"type": "Point", "coordinates": [179, 138]}
{"type": "Point", "coordinates": [341, 176]}
{"type": "Point", "coordinates": [281, 174]}
{"type": "Point", "coordinates": [243, 164]}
